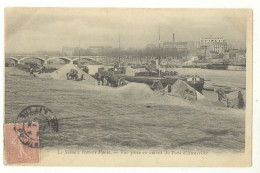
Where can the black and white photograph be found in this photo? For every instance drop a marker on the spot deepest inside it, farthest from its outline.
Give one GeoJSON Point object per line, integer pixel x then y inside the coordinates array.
{"type": "Point", "coordinates": [92, 83]}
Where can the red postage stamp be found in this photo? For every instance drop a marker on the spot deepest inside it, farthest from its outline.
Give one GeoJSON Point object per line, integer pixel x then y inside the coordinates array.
{"type": "Point", "coordinates": [22, 143]}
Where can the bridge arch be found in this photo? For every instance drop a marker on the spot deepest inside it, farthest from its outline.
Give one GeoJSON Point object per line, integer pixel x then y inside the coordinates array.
{"type": "Point", "coordinates": [66, 59]}
{"type": "Point", "coordinates": [92, 58]}
{"type": "Point", "coordinates": [43, 60]}
{"type": "Point", "coordinates": [16, 60]}
{"type": "Point", "coordinates": [84, 57]}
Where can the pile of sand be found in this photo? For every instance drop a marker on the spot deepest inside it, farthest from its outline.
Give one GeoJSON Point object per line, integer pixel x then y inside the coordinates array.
{"type": "Point", "coordinates": [179, 87]}
{"type": "Point", "coordinates": [60, 74]}
{"type": "Point", "coordinates": [135, 91]}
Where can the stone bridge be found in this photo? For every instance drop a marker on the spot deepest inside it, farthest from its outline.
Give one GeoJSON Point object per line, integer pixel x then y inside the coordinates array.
{"type": "Point", "coordinates": [45, 60]}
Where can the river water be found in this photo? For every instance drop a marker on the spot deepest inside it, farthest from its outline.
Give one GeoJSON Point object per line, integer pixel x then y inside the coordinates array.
{"type": "Point", "coordinates": [229, 78]}
{"type": "Point", "coordinates": [129, 117]}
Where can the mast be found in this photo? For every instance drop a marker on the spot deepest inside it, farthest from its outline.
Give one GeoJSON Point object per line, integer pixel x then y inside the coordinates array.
{"type": "Point", "coordinates": [159, 57]}
{"type": "Point", "coordinates": [79, 51]}
{"type": "Point", "coordinates": [119, 50]}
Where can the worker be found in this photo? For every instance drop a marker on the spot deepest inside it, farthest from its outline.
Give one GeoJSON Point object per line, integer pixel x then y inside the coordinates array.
{"type": "Point", "coordinates": [229, 103]}
{"type": "Point", "coordinates": [105, 81]}
{"type": "Point", "coordinates": [169, 88]}
{"type": "Point", "coordinates": [31, 71]}
{"type": "Point", "coordinates": [82, 77]}
{"type": "Point", "coordinates": [221, 94]}
{"type": "Point", "coordinates": [241, 102]}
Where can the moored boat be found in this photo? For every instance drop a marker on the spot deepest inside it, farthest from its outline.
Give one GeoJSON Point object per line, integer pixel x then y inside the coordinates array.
{"type": "Point", "coordinates": [194, 81]}
{"type": "Point", "coordinates": [218, 66]}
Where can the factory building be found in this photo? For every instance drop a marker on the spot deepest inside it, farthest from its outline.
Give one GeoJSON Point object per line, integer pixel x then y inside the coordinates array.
{"type": "Point", "coordinates": [179, 45]}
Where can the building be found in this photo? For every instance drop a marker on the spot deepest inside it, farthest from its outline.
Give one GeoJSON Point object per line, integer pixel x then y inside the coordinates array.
{"type": "Point", "coordinates": [193, 45]}
{"type": "Point", "coordinates": [151, 46]}
{"type": "Point", "coordinates": [219, 47]}
{"type": "Point", "coordinates": [226, 56]}
{"type": "Point", "coordinates": [96, 49]}
{"type": "Point", "coordinates": [203, 52]}
{"type": "Point", "coordinates": [179, 45]}
{"type": "Point", "coordinates": [240, 55]}
{"type": "Point", "coordinates": [210, 40]}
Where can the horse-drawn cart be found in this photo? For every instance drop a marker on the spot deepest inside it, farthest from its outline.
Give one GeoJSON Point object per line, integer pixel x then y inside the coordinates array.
{"type": "Point", "coordinates": [72, 75]}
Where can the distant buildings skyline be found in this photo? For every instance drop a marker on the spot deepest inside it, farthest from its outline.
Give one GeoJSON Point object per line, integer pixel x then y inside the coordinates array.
{"type": "Point", "coordinates": [216, 44]}
{"type": "Point", "coordinates": [211, 43]}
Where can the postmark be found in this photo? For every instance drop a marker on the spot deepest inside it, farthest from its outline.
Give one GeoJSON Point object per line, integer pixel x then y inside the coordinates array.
{"type": "Point", "coordinates": [28, 117]}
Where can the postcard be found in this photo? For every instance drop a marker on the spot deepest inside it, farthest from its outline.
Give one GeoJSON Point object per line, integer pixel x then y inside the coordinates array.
{"type": "Point", "coordinates": [128, 87]}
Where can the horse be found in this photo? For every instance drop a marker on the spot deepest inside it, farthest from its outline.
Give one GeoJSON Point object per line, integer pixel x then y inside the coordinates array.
{"type": "Point", "coordinates": [99, 77]}
{"type": "Point", "coordinates": [72, 75]}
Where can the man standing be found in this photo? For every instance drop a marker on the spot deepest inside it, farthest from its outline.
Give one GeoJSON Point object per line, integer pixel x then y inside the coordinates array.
{"type": "Point", "coordinates": [223, 97]}
{"type": "Point", "coordinates": [241, 102]}
{"type": "Point", "coordinates": [31, 71]}
{"type": "Point", "coordinates": [169, 88]}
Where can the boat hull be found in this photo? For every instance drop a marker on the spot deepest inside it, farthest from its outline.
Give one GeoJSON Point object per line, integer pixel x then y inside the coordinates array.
{"type": "Point", "coordinates": [217, 66]}
{"type": "Point", "coordinates": [199, 85]}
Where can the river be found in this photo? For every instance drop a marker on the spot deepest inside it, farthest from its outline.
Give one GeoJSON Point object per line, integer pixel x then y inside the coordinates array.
{"type": "Point", "coordinates": [228, 78]}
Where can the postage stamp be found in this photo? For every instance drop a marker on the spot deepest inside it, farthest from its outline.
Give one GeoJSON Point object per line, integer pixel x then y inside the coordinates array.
{"type": "Point", "coordinates": [21, 142]}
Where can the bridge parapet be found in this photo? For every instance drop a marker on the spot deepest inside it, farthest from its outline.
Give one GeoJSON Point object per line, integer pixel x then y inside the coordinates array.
{"type": "Point", "coordinates": [66, 59]}
{"type": "Point", "coordinates": [44, 60]}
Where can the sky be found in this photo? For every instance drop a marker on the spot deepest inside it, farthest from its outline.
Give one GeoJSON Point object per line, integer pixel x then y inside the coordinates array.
{"type": "Point", "coordinates": [36, 29]}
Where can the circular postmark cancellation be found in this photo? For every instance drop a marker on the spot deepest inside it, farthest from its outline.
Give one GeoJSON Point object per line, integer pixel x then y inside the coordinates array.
{"type": "Point", "coordinates": [32, 121]}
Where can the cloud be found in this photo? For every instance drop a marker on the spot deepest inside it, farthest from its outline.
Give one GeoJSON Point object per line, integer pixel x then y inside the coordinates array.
{"type": "Point", "coordinates": [31, 29]}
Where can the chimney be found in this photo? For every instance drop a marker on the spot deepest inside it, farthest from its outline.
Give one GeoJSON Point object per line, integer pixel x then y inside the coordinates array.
{"type": "Point", "coordinates": [173, 37]}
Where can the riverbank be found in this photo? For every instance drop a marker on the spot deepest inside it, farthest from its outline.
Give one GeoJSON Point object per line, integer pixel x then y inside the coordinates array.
{"type": "Point", "coordinates": [130, 117]}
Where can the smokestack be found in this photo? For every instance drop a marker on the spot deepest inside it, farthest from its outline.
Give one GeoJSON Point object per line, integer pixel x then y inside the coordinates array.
{"type": "Point", "coordinates": [173, 37]}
